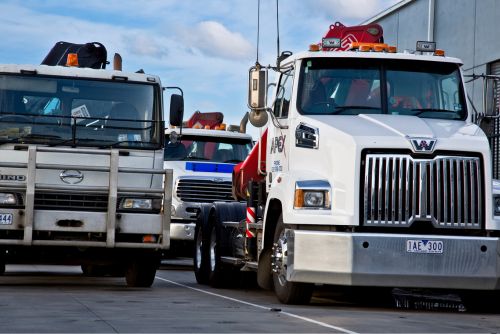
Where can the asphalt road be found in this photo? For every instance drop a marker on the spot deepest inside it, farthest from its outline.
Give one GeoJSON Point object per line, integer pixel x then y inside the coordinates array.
{"type": "Point", "coordinates": [59, 299]}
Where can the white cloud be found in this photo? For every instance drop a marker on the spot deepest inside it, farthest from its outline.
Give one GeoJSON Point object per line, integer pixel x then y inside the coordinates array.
{"type": "Point", "coordinates": [142, 44]}
{"type": "Point", "coordinates": [358, 9]}
{"type": "Point", "coordinates": [214, 39]}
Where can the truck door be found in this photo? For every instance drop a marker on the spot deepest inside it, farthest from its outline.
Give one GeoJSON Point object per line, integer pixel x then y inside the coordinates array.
{"type": "Point", "coordinates": [278, 144]}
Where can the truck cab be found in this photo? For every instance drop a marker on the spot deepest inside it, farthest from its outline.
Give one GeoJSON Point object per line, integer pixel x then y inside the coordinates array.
{"type": "Point", "coordinates": [81, 162]}
{"type": "Point", "coordinates": [371, 173]}
{"type": "Point", "coordinates": [202, 156]}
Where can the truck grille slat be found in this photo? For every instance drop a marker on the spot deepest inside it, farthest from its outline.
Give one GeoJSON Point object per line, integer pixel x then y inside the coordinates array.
{"type": "Point", "coordinates": [445, 190]}
{"type": "Point", "coordinates": [203, 190]}
{"type": "Point", "coordinates": [69, 201]}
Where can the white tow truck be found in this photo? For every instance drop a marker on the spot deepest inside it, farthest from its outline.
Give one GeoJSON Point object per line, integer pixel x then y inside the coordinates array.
{"type": "Point", "coordinates": [81, 166]}
{"type": "Point", "coordinates": [202, 155]}
{"type": "Point", "coordinates": [374, 175]}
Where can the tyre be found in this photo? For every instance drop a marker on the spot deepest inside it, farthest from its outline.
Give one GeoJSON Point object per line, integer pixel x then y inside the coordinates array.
{"type": "Point", "coordinates": [141, 272]}
{"type": "Point", "coordinates": [287, 292]}
{"type": "Point", "coordinates": [201, 255]}
{"type": "Point", "coordinates": [215, 277]}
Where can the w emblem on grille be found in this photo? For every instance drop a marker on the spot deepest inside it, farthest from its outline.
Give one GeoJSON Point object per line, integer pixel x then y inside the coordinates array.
{"type": "Point", "coordinates": [423, 145]}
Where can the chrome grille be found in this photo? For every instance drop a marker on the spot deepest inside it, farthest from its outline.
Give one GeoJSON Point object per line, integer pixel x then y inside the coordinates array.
{"type": "Point", "coordinates": [203, 190]}
{"type": "Point", "coordinates": [69, 201]}
{"type": "Point", "coordinates": [446, 190]}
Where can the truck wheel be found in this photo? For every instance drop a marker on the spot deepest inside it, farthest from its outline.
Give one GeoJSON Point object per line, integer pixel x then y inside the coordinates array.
{"type": "Point", "coordinates": [141, 272]}
{"type": "Point", "coordinates": [286, 291]}
{"type": "Point", "coordinates": [219, 274]}
{"type": "Point", "coordinates": [201, 254]}
{"type": "Point", "coordinates": [214, 260]}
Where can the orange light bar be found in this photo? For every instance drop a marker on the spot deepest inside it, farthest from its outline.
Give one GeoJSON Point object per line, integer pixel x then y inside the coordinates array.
{"type": "Point", "coordinates": [222, 126]}
{"type": "Point", "coordinates": [392, 49]}
{"type": "Point", "coordinates": [207, 127]}
{"type": "Point", "coordinates": [314, 47]}
{"type": "Point", "coordinates": [379, 48]}
{"type": "Point", "coordinates": [368, 46]}
{"type": "Point", "coordinates": [72, 59]}
{"type": "Point", "coordinates": [439, 52]}
{"type": "Point", "coordinates": [149, 239]}
{"type": "Point", "coordinates": [365, 48]}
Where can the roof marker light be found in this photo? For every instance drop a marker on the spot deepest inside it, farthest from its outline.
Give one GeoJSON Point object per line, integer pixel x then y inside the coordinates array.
{"type": "Point", "coordinates": [314, 47]}
{"type": "Point", "coordinates": [439, 52]}
{"type": "Point", "coordinates": [392, 49]}
{"type": "Point", "coordinates": [365, 48]}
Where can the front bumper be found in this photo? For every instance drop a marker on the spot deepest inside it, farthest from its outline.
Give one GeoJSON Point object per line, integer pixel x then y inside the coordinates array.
{"type": "Point", "coordinates": [182, 229]}
{"type": "Point", "coordinates": [369, 259]}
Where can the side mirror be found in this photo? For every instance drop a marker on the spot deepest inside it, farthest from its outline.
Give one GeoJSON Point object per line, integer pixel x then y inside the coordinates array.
{"type": "Point", "coordinates": [257, 99]}
{"type": "Point", "coordinates": [176, 109]}
{"type": "Point", "coordinates": [257, 88]}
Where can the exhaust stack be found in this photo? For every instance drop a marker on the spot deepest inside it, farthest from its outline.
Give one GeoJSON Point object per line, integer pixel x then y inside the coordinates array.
{"type": "Point", "coordinates": [117, 62]}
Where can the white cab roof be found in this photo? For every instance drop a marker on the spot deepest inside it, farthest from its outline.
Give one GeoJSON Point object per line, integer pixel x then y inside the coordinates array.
{"type": "Point", "coordinates": [73, 72]}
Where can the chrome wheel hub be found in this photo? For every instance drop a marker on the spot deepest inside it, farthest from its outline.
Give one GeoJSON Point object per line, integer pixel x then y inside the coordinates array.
{"type": "Point", "coordinates": [279, 258]}
{"type": "Point", "coordinates": [213, 244]}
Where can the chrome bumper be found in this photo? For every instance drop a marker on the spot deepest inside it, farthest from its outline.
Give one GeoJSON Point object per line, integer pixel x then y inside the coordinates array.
{"type": "Point", "coordinates": [182, 230]}
{"type": "Point", "coordinates": [369, 259]}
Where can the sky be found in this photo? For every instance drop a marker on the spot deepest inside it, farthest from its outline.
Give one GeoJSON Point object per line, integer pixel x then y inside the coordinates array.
{"type": "Point", "coordinates": [203, 46]}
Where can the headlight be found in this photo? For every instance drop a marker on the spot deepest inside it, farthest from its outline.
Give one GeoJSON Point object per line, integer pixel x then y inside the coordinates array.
{"type": "Point", "coordinates": [496, 205]}
{"type": "Point", "coordinates": [140, 204]}
{"type": "Point", "coordinates": [312, 195]}
{"type": "Point", "coordinates": [137, 203]}
{"type": "Point", "coordinates": [8, 199]}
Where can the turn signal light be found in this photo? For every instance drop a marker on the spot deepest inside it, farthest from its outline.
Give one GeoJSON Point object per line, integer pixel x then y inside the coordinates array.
{"type": "Point", "coordinates": [149, 239]}
{"type": "Point", "coordinates": [72, 60]}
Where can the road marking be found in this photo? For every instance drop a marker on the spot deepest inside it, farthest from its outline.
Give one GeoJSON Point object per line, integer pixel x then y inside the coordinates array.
{"type": "Point", "coordinates": [319, 323]}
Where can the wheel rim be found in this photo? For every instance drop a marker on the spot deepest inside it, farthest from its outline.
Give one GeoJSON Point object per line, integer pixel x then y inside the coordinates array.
{"type": "Point", "coordinates": [199, 245]}
{"type": "Point", "coordinates": [213, 244]}
{"type": "Point", "coordinates": [279, 258]}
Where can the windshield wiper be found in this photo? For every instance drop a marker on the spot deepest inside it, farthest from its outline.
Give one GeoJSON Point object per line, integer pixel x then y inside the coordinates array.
{"type": "Point", "coordinates": [339, 109]}
{"type": "Point", "coordinates": [194, 158]}
{"type": "Point", "coordinates": [35, 136]}
{"type": "Point", "coordinates": [232, 161]}
{"type": "Point", "coordinates": [118, 143]}
{"type": "Point", "coordinates": [423, 110]}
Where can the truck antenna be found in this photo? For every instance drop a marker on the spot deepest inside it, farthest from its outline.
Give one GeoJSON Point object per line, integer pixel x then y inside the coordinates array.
{"type": "Point", "coordinates": [277, 30]}
{"type": "Point", "coordinates": [258, 31]}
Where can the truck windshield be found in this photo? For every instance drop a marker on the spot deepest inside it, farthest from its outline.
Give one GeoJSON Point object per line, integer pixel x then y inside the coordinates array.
{"type": "Point", "coordinates": [207, 148]}
{"type": "Point", "coordinates": [78, 112]}
{"type": "Point", "coordinates": [347, 86]}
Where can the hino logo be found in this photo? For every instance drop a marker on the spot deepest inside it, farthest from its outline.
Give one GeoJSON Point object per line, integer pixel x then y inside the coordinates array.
{"type": "Point", "coordinates": [4, 177]}
{"type": "Point", "coordinates": [423, 145]}
{"type": "Point", "coordinates": [71, 176]}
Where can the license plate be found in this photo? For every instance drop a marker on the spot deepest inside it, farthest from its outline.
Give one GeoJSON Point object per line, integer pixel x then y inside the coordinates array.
{"type": "Point", "coordinates": [5, 218]}
{"type": "Point", "coordinates": [424, 246]}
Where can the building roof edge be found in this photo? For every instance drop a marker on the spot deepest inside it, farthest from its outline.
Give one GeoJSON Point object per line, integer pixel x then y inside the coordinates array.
{"type": "Point", "coordinates": [386, 12]}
